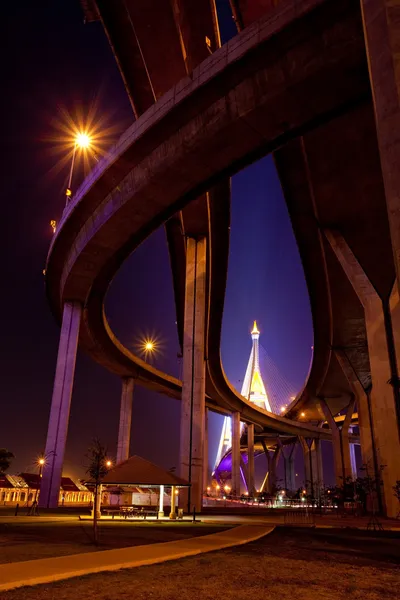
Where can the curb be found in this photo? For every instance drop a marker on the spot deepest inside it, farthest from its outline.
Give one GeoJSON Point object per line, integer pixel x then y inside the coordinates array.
{"type": "Point", "coordinates": [67, 567]}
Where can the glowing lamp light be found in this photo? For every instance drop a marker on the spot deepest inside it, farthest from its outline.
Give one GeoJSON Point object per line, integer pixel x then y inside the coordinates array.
{"type": "Point", "coordinates": [149, 347]}
{"type": "Point", "coordinates": [176, 492]}
{"type": "Point", "coordinates": [303, 414]}
{"type": "Point", "coordinates": [282, 409]}
{"type": "Point", "coordinates": [218, 487]}
{"type": "Point", "coordinates": [208, 488]}
{"type": "Point", "coordinates": [108, 463]}
{"type": "Point", "coordinates": [41, 461]}
{"type": "Point", "coordinates": [53, 225]}
{"type": "Point", "coordinates": [83, 140]}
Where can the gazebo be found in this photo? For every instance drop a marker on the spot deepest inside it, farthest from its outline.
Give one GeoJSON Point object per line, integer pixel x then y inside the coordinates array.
{"type": "Point", "coordinates": [139, 472]}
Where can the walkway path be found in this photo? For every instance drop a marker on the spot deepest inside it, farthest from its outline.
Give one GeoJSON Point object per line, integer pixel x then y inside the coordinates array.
{"type": "Point", "coordinates": [44, 570]}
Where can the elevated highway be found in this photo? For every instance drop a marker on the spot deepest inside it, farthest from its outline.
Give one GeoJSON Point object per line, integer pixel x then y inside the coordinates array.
{"type": "Point", "coordinates": [296, 83]}
{"type": "Point", "coordinates": [102, 225]}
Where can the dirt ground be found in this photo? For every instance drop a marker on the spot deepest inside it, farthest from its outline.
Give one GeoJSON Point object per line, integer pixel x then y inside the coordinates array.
{"type": "Point", "coordinates": [289, 564]}
{"type": "Point", "coordinates": [29, 541]}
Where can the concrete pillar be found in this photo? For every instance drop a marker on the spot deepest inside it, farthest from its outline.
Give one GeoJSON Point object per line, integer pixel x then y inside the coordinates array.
{"type": "Point", "coordinates": [193, 390]}
{"type": "Point", "coordinates": [125, 419]}
{"type": "Point", "coordinates": [340, 441]}
{"type": "Point", "coordinates": [288, 455]}
{"type": "Point", "coordinates": [250, 459]}
{"type": "Point", "coordinates": [381, 23]}
{"type": "Point", "coordinates": [235, 454]}
{"type": "Point", "coordinates": [353, 459]}
{"type": "Point", "coordinates": [362, 403]}
{"type": "Point", "coordinates": [382, 400]}
{"type": "Point", "coordinates": [205, 452]}
{"type": "Point", "coordinates": [269, 483]}
{"type": "Point", "coordinates": [60, 405]}
{"type": "Point", "coordinates": [318, 471]}
{"type": "Point", "coordinates": [161, 503]}
{"type": "Point", "coordinates": [313, 471]}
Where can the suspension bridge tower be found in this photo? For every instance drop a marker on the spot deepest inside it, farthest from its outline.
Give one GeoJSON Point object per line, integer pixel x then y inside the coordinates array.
{"type": "Point", "coordinates": [253, 390]}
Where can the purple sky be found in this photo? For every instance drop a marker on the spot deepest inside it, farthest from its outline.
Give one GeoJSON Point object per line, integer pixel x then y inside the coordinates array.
{"type": "Point", "coordinates": [53, 61]}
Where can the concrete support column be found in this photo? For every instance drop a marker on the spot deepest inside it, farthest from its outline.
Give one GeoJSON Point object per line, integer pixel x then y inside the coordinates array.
{"type": "Point", "coordinates": [318, 469]}
{"type": "Point", "coordinates": [353, 459]}
{"type": "Point", "coordinates": [340, 441]}
{"type": "Point", "coordinates": [362, 403]}
{"type": "Point", "coordinates": [250, 459]}
{"type": "Point", "coordinates": [60, 405]}
{"type": "Point", "coordinates": [205, 452]}
{"type": "Point", "coordinates": [384, 392]}
{"type": "Point", "coordinates": [313, 471]}
{"type": "Point", "coordinates": [125, 419]}
{"type": "Point", "coordinates": [288, 455]}
{"type": "Point", "coordinates": [193, 390]}
{"type": "Point", "coordinates": [381, 23]}
{"type": "Point", "coordinates": [235, 454]}
{"type": "Point", "coordinates": [269, 483]}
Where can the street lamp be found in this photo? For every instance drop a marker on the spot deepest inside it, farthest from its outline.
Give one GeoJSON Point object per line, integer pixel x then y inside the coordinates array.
{"type": "Point", "coordinates": [149, 347]}
{"type": "Point", "coordinates": [82, 142]}
{"type": "Point", "coordinates": [41, 461]}
{"type": "Point", "coordinates": [108, 464]}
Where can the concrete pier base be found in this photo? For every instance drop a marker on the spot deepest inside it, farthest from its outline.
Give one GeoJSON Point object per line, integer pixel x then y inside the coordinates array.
{"type": "Point", "coordinates": [60, 405]}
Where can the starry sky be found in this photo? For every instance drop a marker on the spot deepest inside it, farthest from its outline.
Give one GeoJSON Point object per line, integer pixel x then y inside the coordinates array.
{"type": "Point", "coordinates": [54, 65]}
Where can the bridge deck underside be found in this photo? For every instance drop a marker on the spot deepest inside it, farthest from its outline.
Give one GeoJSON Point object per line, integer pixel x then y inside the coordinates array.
{"type": "Point", "coordinates": [248, 99]}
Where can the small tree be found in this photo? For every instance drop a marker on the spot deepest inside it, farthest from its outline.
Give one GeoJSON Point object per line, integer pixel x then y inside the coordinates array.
{"type": "Point", "coordinates": [97, 470]}
{"type": "Point", "coordinates": [5, 459]}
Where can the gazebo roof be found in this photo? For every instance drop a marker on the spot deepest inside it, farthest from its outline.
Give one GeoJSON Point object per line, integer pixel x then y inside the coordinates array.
{"type": "Point", "coordinates": [139, 471]}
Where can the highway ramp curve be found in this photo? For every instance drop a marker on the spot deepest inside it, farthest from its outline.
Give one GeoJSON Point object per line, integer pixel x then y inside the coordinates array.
{"type": "Point", "coordinates": [241, 103]}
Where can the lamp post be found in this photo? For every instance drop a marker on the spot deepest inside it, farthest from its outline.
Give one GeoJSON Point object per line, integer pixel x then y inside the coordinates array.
{"type": "Point", "coordinates": [33, 510]}
{"type": "Point", "coordinates": [82, 142]}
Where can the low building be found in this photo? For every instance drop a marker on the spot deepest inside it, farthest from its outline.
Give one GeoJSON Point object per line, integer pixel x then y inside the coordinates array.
{"type": "Point", "coordinates": [24, 489]}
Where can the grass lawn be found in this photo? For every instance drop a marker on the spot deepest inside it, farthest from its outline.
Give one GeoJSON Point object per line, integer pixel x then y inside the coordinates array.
{"type": "Point", "coordinates": [289, 564]}
{"type": "Point", "coordinates": [28, 541]}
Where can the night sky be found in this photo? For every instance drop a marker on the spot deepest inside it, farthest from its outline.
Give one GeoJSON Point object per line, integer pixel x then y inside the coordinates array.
{"type": "Point", "coordinates": [52, 64]}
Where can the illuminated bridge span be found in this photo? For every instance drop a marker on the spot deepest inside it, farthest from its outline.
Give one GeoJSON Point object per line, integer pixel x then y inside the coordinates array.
{"type": "Point", "coordinates": [296, 82]}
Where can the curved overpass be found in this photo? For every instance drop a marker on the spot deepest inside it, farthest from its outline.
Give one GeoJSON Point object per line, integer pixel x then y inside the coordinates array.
{"type": "Point", "coordinates": [208, 126]}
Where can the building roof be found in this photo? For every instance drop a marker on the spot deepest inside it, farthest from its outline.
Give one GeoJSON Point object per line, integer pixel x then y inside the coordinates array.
{"type": "Point", "coordinates": [5, 481]}
{"type": "Point", "coordinates": [32, 480]}
{"type": "Point", "coordinates": [141, 472]}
